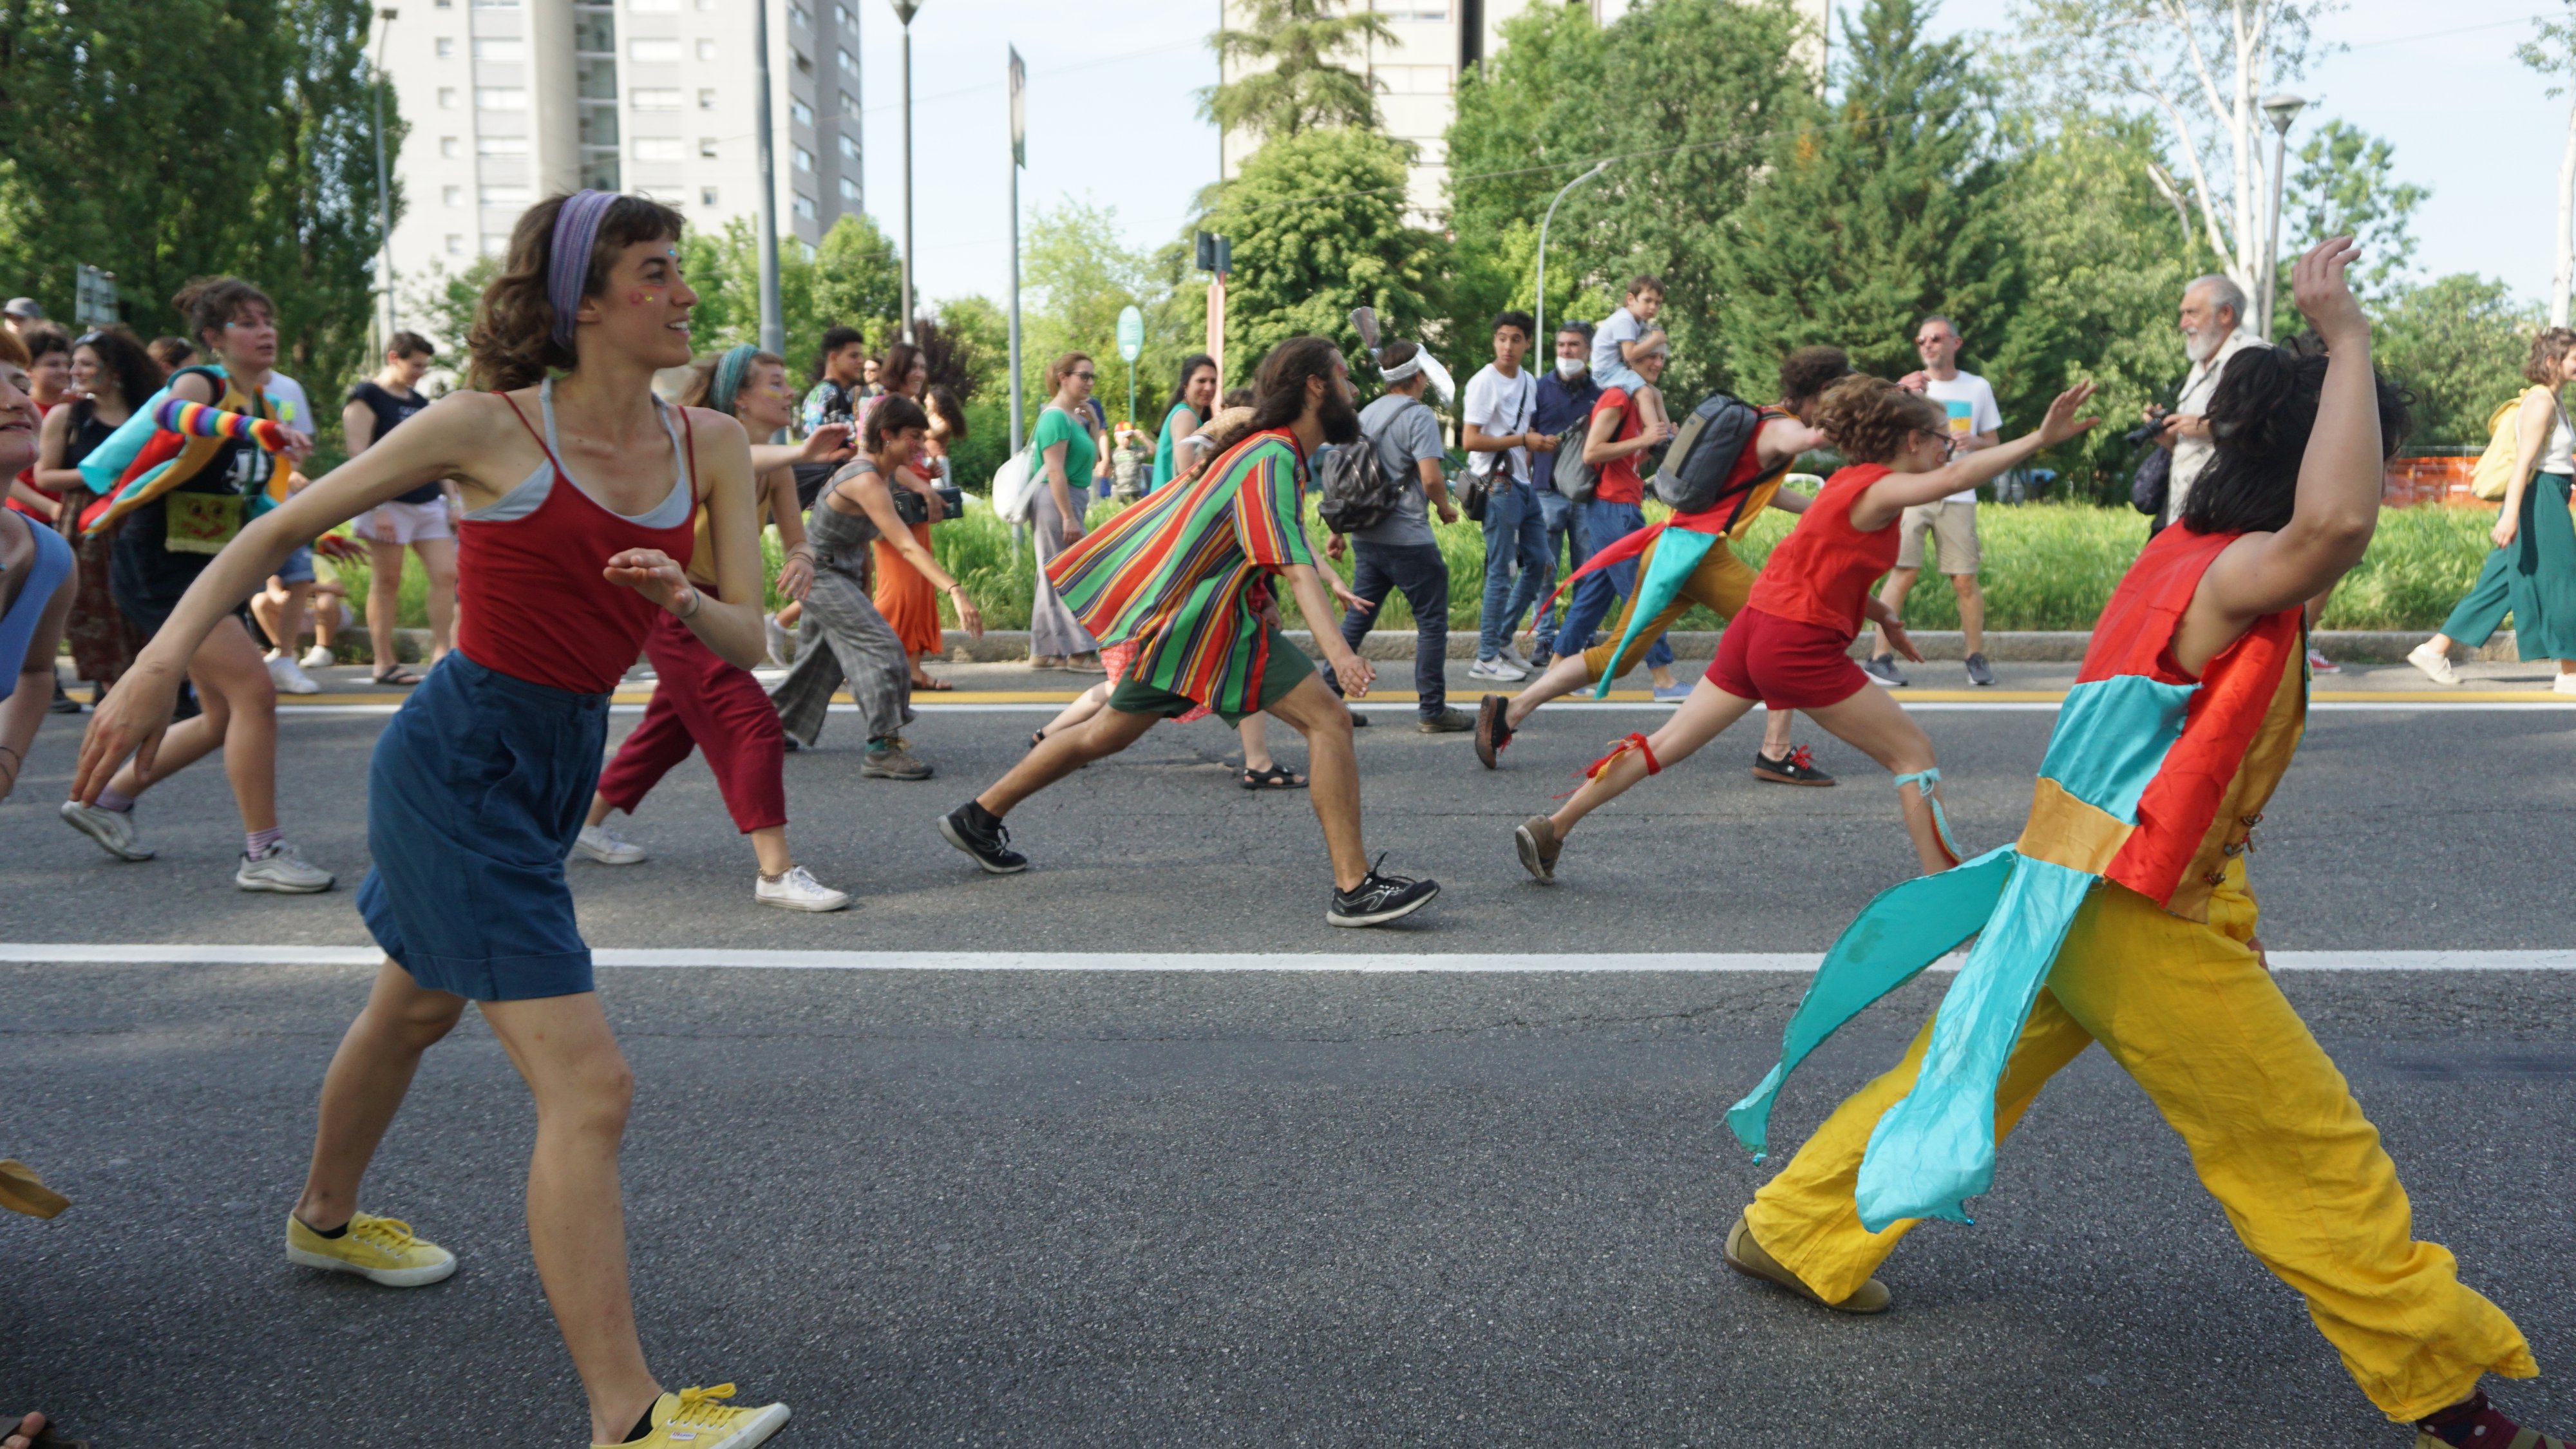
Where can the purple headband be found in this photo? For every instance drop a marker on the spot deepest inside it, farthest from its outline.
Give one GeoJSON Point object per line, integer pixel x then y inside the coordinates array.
{"type": "Point", "coordinates": [576, 230]}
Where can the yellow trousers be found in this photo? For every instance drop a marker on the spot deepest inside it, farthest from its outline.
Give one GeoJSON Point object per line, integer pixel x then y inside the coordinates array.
{"type": "Point", "coordinates": [2189, 1012]}
{"type": "Point", "coordinates": [1719, 582]}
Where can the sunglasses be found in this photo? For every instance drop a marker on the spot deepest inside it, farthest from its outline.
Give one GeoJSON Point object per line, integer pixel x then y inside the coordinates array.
{"type": "Point", "coordinates": [1085, 376]}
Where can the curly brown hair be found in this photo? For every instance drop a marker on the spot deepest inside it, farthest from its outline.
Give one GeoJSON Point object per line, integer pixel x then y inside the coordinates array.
{"type": "Point", "coordinates": [212, 303]}
{"type": "Point", "coordinates": [1868, 418]}
{"type": "Point", "coordinates": [512, 344]}
{"type": "Point", "coordinates": [2548, 349]}
{"type": "Point", "coordinates": [1807, 372]}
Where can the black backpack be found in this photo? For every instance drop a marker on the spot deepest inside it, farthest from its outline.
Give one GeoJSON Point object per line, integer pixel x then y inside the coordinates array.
{"type": "Point", "coordinates": [1574, 480]}
{"type": "Point", "coordinates": [1355, 491]}
{"type": "Point", "coordinates": [1703, 454]}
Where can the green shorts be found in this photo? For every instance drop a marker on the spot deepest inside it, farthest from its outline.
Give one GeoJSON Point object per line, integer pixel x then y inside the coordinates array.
{"type": "Point", "coordinates": [1287, 668]}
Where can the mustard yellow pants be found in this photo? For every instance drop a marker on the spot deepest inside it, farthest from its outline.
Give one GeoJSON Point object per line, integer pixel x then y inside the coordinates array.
{"type": "Point", "coordinates": [1719, 583]}
{"type": "Point", "coordinates": [2189, 1012]}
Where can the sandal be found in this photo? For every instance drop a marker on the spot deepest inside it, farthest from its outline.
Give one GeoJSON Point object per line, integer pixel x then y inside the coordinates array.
{"type": "Point", "coordinates": [398, 676]}
{"type": "Point", "coordinates": [1036, 738]}
{"type": "Point", "coordinates": [1277, 777]}
{"type": "Point", "coordinates": [932, 683]}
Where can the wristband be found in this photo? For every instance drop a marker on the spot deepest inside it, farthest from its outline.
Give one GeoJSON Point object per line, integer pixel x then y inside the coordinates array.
{"type": "Point", "coordinates": [697, 601]}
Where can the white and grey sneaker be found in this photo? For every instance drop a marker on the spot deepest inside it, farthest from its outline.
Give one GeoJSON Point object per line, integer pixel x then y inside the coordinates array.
{"type": "Point", "coordinates": [799, 891]}
{"type": "Point", "coordinates": [2435, 663]}
{"type": "Point", "coordinates": [1882, 670]}
{"type": "Point", "coordinates": [317, 657]}
{"type": "Point", "coordinates": [1980, 673]}
{"type": "Point", "coordinates": [1379, 898]}
{"type": "Point", "coordinates": [283, 870]}
{"type": "Point", "coordinates": [1497, 668]}
{"type": "Point", "coordinates": [603, 845]}
{"type": "Point", "coordinates": [112, 829]}
{"type": "Point", "coordinates": [289, 676]}
{"type": "Point", "coordinates": [1512, 655]}
{"type": "Point", "coordinates": [781, 643]}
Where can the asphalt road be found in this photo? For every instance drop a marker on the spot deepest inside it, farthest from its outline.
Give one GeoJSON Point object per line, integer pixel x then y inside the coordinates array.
{"type": "Point", "coordinates": [1168, 1207]}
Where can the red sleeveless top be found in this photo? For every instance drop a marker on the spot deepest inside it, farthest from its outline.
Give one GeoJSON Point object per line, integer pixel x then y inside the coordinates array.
{"type": "Point", "coordinates": [536, 606]}
{"type": "Point", "coordinates": [1820, 574]}
{"type": "Point", "coordinates": [2240, 728]}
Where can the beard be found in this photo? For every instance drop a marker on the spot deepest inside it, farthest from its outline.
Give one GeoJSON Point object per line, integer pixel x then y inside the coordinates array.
{"type": "Point", "coordinates": [2203, 345]}
{"type": "Point", "coordinates": [1338, 418]}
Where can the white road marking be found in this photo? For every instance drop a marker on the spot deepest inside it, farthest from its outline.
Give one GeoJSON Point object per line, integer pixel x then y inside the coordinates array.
{"type": "Point", "coordinates": [1430, 963]}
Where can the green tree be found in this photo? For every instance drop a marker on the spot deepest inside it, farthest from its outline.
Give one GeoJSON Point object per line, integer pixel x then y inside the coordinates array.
{"type": "Point", "coordinates": [858, 277]}
{"type": "Point", "coordinates": [1317, 222]}
{"type": "Point", "coordinates": [440, 305]}
{"type": "Point", "coordinates": [2345, 185]}
{"type": "Point", "coordinates": [2457, 343]}
{"type": "Point", "coordinates": [317, 202]}
{"type": "Point", "coordinates": [1288, 79]}
{"type": "Point", "coordinates": [1883, 212]}
{"type": "Point", "coordinates": [1528, 122]}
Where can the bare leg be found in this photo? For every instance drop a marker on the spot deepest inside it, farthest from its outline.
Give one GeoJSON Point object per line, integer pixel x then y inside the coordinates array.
{"type": "Point", "coordinates": [1775, 732]}
{"type": "Point", "coordinates": [1881, 728]}
{"type": "Point", "coordinates": [769, 844]}
{"type": "Point", "coordinates": [1650, 406]}
{"type": "Point", "coordinates": [240, 703]}
{"type": "Point", "coordinates": [1059, 755]}
{"type": "Point", "coordinates": [1701, 718]}
{"type": "Point", "coordinates": [364, 1088]}
{"type": "Point", "coordinates": [1972, 611]}
{"type": "Point", "coordinates": [576, 1217]}
{"type": "Point", "coordinates": [1320, 715]}
{"type": "Point", "coordinates": [1084, 706]}
{"type": "Point", "coordinates": [600, 810]}
{"type": "Point", "coordinates": [1892, 594]}
{"type": "Point", "coordinates": [384, 600]}
{"type": "Point", "coordinates": [438, 558]}
{"type": "Point", "coordinates": [1564, 674]}
{"type": "Point", "coordinates": [291, 615]}
{"type": "Point", "coordinates": [1255, 734]}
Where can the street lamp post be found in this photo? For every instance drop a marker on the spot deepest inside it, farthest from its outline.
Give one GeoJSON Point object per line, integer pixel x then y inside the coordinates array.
{"type": "Point", "coordinates": [773, 323]}
{"type": "Point", "coordinates": [1597, 168]}
{"type": "Point", "coordinates": [384, 195]}
{"type": "Point", "coordinates": [2283, 108]}
{"type": "Point", "coordinates": [904, 11]}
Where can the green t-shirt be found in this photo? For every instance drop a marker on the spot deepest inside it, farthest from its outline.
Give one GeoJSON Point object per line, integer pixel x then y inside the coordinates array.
{"type": "Point", "coordinates": [1055, 425]}
{"type": "Point", "coordinates": [1165, 465]}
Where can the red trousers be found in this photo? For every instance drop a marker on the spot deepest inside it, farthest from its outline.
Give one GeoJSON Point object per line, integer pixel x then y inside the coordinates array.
{"type": "Point", "coordinates": [703, 702]}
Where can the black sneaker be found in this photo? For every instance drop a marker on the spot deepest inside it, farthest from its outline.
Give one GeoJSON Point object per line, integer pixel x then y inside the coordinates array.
{"type": "Point", "coordinates": [1882, 669]}
{"type": "Point", "coordinates": [1447, 722]}
{"type": "Point", "coordinates": [1798, 768]}
{"type": "Point", "coordinates": [1379, 899]}
{"type": "Point", "coordinates": [980, 833]}
{"type": "Point", "coordinates": [1359, 721]}
{"type": "Point", "coordinates": [1492, 730]}
{"type": "Point", "coordinates": [1980, 673]}
{"type": "Point", "coordinates": [63, 703]}
{"type": "Point", "coordinates": [1540, 657]}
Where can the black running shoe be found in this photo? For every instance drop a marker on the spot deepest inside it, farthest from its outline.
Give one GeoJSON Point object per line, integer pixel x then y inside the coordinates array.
{"type": "Point", "coordinates": [1797, 768]}
{"type": "Point", "coordinates": [1379, 899]}
{"type": "Point", "coordinates": [981, 834]}
{"type": "Point", "coordinates": [65, 704]}
{"type": "Point", "coordinates": [1492, 730]}
{"type": "Point", "coordinates": [1980, 673]}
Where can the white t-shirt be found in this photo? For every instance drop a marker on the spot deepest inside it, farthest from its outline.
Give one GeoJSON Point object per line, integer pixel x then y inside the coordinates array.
{"type": "Point", "coordinates": [1972, 410]}
{"type": "Point", "coordinates": [2191, 455]}
{"type": "Point", "coordinates": [1501, 405]}
{"type": "Point", "coordinates": [294, 409]}
{"type": "Point", "coordinates": [1620, 326]}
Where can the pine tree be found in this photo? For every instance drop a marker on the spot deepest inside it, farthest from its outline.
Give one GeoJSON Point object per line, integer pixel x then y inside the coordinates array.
{"type": "Point", "coordinates": [1298, 86]}
{"type": "Point", "coordinates": [1883, 212]}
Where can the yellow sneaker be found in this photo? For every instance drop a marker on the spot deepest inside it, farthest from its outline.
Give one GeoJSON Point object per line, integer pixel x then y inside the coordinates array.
{"type": "Point", "coordinates": [694, 1419]}
{"type": "Point", "coordinates": [380, 1250]}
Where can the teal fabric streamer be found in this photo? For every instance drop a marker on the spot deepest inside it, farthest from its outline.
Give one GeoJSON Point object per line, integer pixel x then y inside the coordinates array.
{"type": "Point", "coordinates": [1677, 552]}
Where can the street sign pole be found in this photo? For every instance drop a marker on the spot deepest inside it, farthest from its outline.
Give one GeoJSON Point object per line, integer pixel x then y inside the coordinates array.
{"type": "Point", "coordinates": [1131, 342]}
{"type": "Point", "coordinates": [1019, 158]}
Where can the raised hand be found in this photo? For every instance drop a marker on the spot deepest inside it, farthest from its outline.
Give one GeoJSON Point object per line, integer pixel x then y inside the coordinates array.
{"type": "Point", "coordinates": [2061, 422]}
{"type": "Point", "coordinates": [651, 572]}
{"type": "Point", "coordinates": [2325, 298]}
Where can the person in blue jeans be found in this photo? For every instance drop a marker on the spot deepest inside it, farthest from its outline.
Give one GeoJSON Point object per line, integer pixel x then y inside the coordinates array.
{"type": "Point", "coordinates": [1565, 397]}
{"type": "Point", "coordinates": [1399, 552]}
{"type": "Point", "coordinates": [1617, 509]}
{"type": "Point", "coordinates": [1497, 428]}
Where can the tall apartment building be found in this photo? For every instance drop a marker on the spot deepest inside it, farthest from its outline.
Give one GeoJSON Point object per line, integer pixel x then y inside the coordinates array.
{"type": "Point", "coordinates": [509, 101]}
{"type": "Point", "coordinates": [1417, 76]}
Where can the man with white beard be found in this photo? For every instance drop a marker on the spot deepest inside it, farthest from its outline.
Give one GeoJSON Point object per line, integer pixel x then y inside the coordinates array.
{"type": "Point", "coordinates": [2213, 317]}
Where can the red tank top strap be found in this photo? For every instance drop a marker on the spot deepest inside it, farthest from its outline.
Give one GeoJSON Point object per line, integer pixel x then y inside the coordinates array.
{"type": "Point", "coordinates": [532, 432]}
{"type": "Point", "coordinates": [689, 456]}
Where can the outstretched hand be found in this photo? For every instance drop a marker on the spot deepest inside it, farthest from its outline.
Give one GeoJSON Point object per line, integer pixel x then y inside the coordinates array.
{"type": "Point", "coordinates": [829, 443]}
{"type": "Point", "coordinates": [650, 572]}
{"type": "Point", "coordinates": [2325, 297]}
{"type": "Point", "coordinates": [130, 721]}
{"type": "Point", "coordinates": [2061, 422]}
{"type": "Point", "coordinates": [1356, 675]}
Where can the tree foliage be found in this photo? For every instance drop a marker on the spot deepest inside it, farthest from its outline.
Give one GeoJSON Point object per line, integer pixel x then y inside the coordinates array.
{"type": "Point", "coordinates": [2457, 343]}
{"type": "Point", "coordinates": [1318, 226]}
{"type": "Point", "coordinates": [1288, 79]}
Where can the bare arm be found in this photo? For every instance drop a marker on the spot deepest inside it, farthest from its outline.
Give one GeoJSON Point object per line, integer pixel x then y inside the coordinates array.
{"type": "Point", "coordinates": [731, 625]}
{"type": "Point", "coordinates": [829, 443]}
{"type": "Point", "coordinates": [796, 572]}
{"type": "Point", "coordinates": [2530, 434]}
{"type": "Point", "coordinates": [1316, 603]}
{"type": "Point", "coordinates": [2340, 477]}
{"type": "Point", "coordinates": [1063, 491]}
{"type": "Point", "coordinates": [1435, 488]}
{"type": "Point", "coordinates": [1788, 502]}
{"type": "Point", "coordinates": [1597, 447]}
{"type": "Point", "coordinates": [1881, 502]}
{"type": "Point", "coordinates": [866, 491]}
{"type": "Point", "coordinates": [357, 425]}
{"type": "Point", "coordinates": [51, 439]}
{"type": "Point", "coordinates": [25, 710]}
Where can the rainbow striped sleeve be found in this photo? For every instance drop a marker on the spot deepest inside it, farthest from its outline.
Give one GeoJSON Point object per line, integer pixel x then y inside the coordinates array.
{"type": "Point", "coordinates": [195, 419]}
{"type": "Point", "coordinates": [1267, 524]}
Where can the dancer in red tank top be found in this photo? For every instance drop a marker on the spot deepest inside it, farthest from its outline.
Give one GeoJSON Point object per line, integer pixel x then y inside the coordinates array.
{"type": "Point", "coordinates": [1790, 647]}
{"type": "Point", "coordinates": [580, 489]}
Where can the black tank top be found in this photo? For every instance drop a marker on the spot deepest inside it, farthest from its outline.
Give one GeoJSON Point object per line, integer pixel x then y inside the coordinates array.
{"type": "Point", "coordinates": [390, 409]}
{"type": "Point", "coordinates": [88, 431]}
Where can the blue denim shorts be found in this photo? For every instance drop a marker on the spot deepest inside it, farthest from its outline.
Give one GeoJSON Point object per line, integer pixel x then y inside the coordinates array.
{"type": "Point", "coordinates": [298, 568]}
{"type": "Point", "coordinates": [474, 796]}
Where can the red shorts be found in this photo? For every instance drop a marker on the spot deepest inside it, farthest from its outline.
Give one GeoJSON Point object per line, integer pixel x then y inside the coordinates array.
{"type": "Point", "coordinates": [1784, 663]}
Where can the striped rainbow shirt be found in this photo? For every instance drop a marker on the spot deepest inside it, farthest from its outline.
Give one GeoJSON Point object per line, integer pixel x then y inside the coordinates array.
{"type": "Point", "coordinates": [1185, 573]}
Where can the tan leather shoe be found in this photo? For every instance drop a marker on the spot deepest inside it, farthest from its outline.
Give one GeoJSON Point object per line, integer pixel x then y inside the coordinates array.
{"type": "Point", "coordinates": [1748, 1257]}
{"type": "Point", "coordinates": [22, 1191]}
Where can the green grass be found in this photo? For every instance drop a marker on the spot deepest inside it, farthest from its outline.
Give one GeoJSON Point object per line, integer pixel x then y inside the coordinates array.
{"type": "Point", "coordinates": [2047, 566]}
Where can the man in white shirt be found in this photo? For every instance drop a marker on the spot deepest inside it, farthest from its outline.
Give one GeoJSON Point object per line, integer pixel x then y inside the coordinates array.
{"type": "Point", "coordinates": [2213, 331]}
{"type": "Point", "coordinates": [1975, 422]}
{"type": "Point", "coordinates": [1496, 425]}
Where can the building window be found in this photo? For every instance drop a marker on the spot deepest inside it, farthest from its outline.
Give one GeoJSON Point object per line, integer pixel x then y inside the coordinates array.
{"type": "Point", "coordinates": [654, 98]}
{"type": "Point", "coordinates": [449, 147]}
{"type": "Point", "coordinates": [502, 49]}
{"type": "Point", "coordinates": [451, 195]}
{"type": "Point", "coordinates": [706, 98]}
{"type": "Point", "coordinates": [653, 52]}
{"type": "Point", "coordinates": [446, 47]}
{"type": "Point", "coordinates": [849, 147]}
{"type": "Point", "coordinates": [599, 171]}
{"type": "Point", "coordinates": [841, 13]}
{"type": "Point", "coordinates": [502, 195]}
{"type": "Point", "coordinates": [500, 145]}
{"type": "Point", "coordinates": [804, 206]}
{"type": "Point", "coordinates": [496, 4]}
{"type": "Point", "coordinates": [800, 14]}
{"type": "Point", "coordinates": [658, 148]}
{"type": "Point", "coordinates": [447, 98]}
{"type": "Point", "coordinates": [849, 63]}
{"type": "Point", "coordinates": [500, 98]}
{"type": "Point", "coordinates": [496, 244]}
{"type": "Point", "coordinates": [706, 50]}
{"type": "Point", "coordinates": [849, 102]}
{"type": "Point", "coordinates": [446, 4]}
{"type": "Point", "coordinates": [804, 67]}
{"type": "Point", "coordinates": [706, 148]}
{"type": "Point", "coordinates": [706, 196]}
{"type": "Point", "coordinates": [652, 7]}
{"type": "Point", "coordinates": [456, 243]}
{"type": "Point", "coordinates": [804, 158]}
{"type": "Point", "coordinates": [799, 112]}
{"type": "Point", "coordinates": [849, 191]}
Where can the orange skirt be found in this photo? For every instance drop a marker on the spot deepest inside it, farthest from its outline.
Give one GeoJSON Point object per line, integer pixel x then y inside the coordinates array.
{"type": "Point", "coordinates": [909, 603]}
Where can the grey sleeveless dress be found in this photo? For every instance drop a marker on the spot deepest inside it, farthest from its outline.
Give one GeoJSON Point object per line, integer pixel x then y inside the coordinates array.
{"type": "Point", "coordinates": [842, 636]}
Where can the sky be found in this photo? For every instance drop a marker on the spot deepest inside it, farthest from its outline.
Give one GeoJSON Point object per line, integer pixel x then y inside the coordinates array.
{"type": "Point", "coordinates": [1113, 119]}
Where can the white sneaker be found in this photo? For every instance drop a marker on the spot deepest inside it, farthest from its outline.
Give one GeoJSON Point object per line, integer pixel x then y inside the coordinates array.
{"type": "Point", "coordinates": [112, 829]}
{"type": "Point", "coordinates": [2563, 684]}
{"type": "Point", "coordinates": [1497, 668]}
{"type": "Point", "coordinates": [283, 870]}
{"type": "Point", "coordinates": [290, 677]}
{"type": "Point", "coordinates": [317, 657]}
{"type": "Point", "coordinates": [2435, 663]}
{"type": "Point", "coordinates": [1513, 656]}
{"type": "Point", "coordinates": [601, 844]}
{"type": "Point", "coordinates": [798, 891]}
{"type": "Point", "coordinates": [782, 644]}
